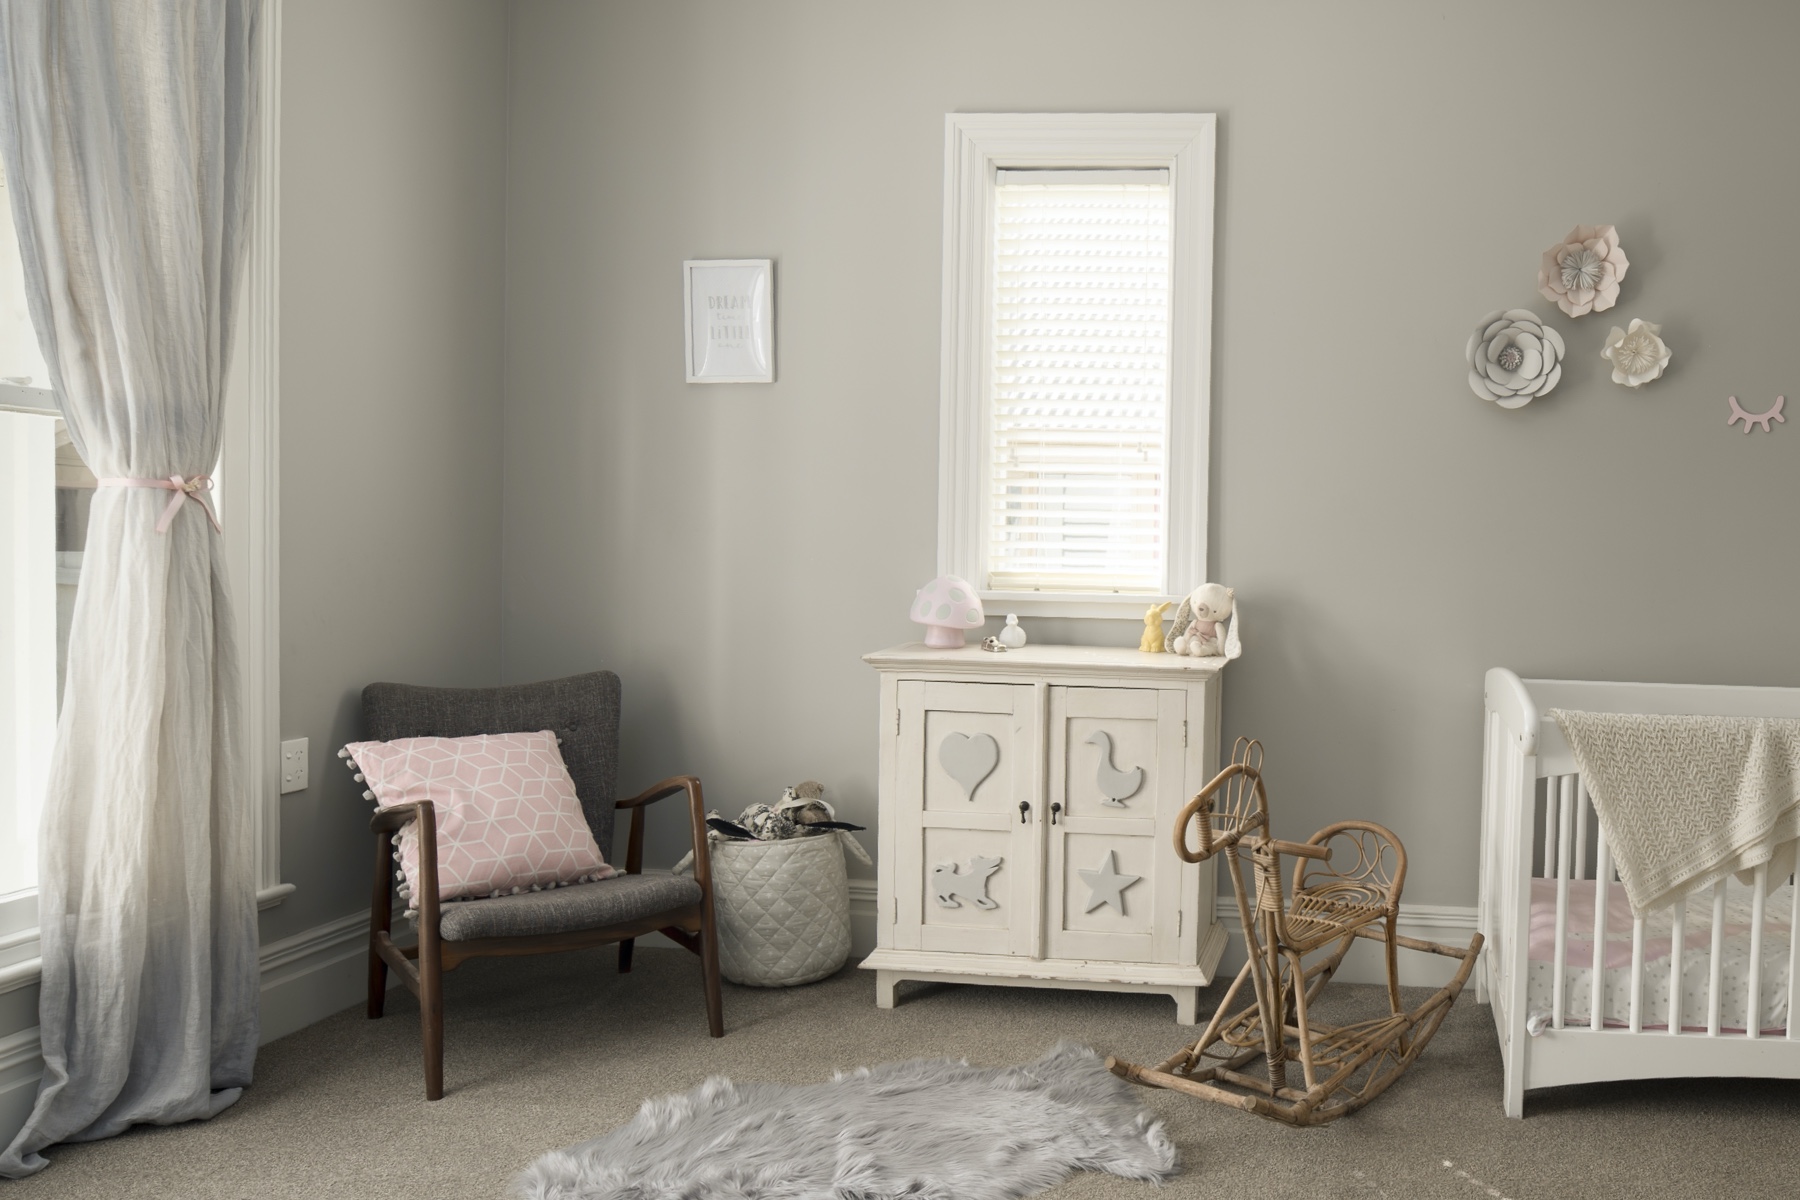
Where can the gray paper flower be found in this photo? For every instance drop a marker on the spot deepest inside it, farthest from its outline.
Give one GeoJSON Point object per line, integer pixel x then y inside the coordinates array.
{"type": "Point", "coordinates": [1514, 358]}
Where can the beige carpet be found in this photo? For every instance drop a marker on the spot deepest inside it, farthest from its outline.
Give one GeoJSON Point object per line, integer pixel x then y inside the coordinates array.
{"type": "Point", "coordinates": [545, 1052]}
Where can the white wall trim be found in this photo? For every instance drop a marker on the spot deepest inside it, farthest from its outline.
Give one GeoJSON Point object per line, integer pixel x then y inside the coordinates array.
{"type": "Point", "coordinates": [305, 978]}
{"type": "Point", "coordinates": [975, 146]}
{"type": "Point", "coordinates": [258, 519]}
{"type": "Point", "coordinates": [1451, 924]}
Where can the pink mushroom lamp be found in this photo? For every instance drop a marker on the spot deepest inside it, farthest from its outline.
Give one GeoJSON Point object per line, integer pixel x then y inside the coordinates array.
{"type": "Point", "coordinates": [946, 607]}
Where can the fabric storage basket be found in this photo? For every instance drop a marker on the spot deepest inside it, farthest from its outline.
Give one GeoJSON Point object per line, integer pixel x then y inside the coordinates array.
{"type": "Point", "coordinates": [783, 909]}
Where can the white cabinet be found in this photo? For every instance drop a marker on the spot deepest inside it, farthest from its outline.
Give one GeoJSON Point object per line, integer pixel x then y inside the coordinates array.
{"type": "Point", "coordinates": [1027, 809]}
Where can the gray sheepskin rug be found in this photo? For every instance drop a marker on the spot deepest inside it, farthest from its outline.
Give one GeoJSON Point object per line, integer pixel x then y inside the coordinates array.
{"type": "Point", "coordinates": [931, 1129]}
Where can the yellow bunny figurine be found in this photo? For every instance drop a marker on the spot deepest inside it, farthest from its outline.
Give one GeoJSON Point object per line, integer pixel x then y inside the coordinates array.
{"type": "Point", "coordinates": [1152, 642]}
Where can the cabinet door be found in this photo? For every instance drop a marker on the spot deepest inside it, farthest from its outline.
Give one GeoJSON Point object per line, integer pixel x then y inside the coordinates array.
{"type": "Point", "coordinates": [967, 871]}
{"type": "Point", "coordinates": [1116, 760]}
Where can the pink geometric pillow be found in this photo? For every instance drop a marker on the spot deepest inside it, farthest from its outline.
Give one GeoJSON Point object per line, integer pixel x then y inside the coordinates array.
{"type": "Point", "coordinates": [507, 817]}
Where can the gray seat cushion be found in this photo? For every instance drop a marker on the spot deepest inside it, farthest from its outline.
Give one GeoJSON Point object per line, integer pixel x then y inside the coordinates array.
{"type": "Point", "coordinates": [564, 910]}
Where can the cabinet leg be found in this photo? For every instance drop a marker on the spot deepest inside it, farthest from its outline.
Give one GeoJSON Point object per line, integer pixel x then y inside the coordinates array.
{"type": "Point", "coordinates": [1187, 1005]}
{"type": "Point", "coordinates": [884, 988]}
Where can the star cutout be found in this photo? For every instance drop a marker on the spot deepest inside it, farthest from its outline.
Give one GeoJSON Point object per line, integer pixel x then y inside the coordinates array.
{"type": "Point", "coordinates": [1107, 883]}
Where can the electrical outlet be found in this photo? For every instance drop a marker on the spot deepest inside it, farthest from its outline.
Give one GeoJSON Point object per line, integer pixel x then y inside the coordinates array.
{"type": "Point", "coordinates": [293, 766]}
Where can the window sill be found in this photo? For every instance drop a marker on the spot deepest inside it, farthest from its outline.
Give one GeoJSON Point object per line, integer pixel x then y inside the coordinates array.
{"type": "Point", "coordinates": [1088, 605]}
{"type": "Point", "coordinates": [28, 971]}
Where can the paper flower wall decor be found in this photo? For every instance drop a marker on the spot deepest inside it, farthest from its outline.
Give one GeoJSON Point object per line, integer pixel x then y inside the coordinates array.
{"type": "Point", "coordinates": [1514, 358]}
{"type": "Point", "coordinates": [1637, 354]}
{"type": "Point", "coordinates": [1581, 273]}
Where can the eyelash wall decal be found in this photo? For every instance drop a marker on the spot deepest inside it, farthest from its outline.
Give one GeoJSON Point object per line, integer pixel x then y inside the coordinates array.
{"type": "Point", "coordinates": [1749, 418]}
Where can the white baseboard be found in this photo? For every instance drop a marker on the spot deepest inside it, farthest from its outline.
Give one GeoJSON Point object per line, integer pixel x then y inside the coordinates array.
{"type": "Point", "coordinates": [305, 978]}
{"type": "Point", "coordinates": [1449, 924]}
{"type": "Point", "coordinates": [21, 1065]}
{"type": "Point", "coordinates": [315, 973]}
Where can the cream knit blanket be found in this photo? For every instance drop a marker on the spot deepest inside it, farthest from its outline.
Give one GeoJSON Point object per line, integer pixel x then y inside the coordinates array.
{"type": "Point", "coordinates": [1686, 801]}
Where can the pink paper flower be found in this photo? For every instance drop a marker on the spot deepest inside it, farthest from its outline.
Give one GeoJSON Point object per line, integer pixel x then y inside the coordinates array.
{"type": "Point", "coordinates": [1581, 273]}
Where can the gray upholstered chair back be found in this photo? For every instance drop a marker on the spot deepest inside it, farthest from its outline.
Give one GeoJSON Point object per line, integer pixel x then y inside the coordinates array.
{"type": "Point", "coordinates": [583, 710]}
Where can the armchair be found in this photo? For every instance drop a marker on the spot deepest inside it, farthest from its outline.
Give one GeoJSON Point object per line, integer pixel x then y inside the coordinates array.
{"type": "Point", "coordinates": [583, 711]}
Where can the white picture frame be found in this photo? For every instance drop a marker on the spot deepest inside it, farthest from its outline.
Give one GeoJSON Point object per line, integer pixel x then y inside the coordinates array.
{"type": "Point", "coordinates": [730, 306]}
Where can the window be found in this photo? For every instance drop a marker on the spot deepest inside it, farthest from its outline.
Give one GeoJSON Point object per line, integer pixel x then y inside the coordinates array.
{"type": "Point", "coordinates": [40, 538]}
{"type": "Point", "coordinates": [44, 495]}
{"type": "Point", "coordinates": [1077, 319]}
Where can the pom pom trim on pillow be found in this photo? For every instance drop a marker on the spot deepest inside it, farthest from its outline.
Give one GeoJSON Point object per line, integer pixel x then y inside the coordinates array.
{"type": "Point", "coordinates": [508, 819]}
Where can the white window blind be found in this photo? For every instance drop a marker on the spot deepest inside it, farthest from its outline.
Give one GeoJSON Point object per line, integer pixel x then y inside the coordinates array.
{"type": "Point", "coordinates": [1079, 382]}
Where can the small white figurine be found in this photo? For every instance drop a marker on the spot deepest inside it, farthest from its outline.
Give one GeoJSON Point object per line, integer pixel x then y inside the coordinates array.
{"type": "Point", "coordinates": [1012, 637]}
{"type": "Point", "coordinates": [1206, 624]}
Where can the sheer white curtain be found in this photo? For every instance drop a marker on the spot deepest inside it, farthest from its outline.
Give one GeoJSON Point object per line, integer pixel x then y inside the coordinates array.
{"type": "Point", "coordinates": [126, 129]}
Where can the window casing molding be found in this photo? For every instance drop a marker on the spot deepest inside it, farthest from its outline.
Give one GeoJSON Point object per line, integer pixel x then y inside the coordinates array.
{"type": "Point", "coordinates": [252, 518]}
{"type": "Point", "coordinates": [976, 146]}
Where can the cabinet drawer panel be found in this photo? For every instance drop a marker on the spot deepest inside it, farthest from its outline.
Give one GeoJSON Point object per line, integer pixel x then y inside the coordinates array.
{"type": "Point", "coordinates": [1108, 889]}
{"type": "Point", "coordinates": [1110, 766]}
{"type": "Point", "coordinates": [970, 762]}
{"type": "Point", "coordinates": [970, 897]}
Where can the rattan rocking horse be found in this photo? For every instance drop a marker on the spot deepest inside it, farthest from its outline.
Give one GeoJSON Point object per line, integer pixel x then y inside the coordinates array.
{"type": "Point", "coordinates": [1346, 885]}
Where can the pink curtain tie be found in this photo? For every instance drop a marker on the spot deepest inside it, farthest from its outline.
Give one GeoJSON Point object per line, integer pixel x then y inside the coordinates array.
{"type": "Point", "coordinates": [184, 489]}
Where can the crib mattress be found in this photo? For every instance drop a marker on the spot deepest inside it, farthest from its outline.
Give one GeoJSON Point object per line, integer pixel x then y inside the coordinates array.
{"type": "Point", "coordinates": [1695, 958]}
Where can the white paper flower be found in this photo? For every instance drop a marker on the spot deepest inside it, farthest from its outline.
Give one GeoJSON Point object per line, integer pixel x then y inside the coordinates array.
{"type": "Point", "coordinates": [1514, 358]}
{"type": "Point", "coordinates": [1637, 354]}
{"type": "Point", "coordinates": [1581, 273]}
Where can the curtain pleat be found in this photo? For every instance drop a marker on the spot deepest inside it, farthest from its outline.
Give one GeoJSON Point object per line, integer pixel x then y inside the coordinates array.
{"type": "Point", "coordinates": [126, 130]}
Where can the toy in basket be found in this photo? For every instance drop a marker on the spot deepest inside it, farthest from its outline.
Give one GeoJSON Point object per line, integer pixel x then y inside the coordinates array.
{"type": "Point", "coordinates": [779, 889]}
{"type": "Point", "coordinates": [1346, 885]}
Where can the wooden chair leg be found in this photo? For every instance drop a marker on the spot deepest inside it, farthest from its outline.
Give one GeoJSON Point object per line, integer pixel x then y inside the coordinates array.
{"type": "Point", "coordinates": [431, 1017]}
{"type": "Point", "coordinates": [709, 971]}
{"type": "Point", "coordinates": [431, 965]}
{"type": "Point", "coordinates": [625, 955]}
{"type": "Point", "coordinates": [378, 970]}
{"type": "Point", "coordinates": [381, 920]}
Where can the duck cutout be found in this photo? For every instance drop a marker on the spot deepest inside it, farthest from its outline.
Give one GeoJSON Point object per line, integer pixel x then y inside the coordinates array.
{"type": "Point", "coordinates": [1115, 786]}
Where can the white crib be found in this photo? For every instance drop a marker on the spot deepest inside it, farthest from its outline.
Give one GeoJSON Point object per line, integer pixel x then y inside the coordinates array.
{"type": "Point", "coordinates": [1700, 988]}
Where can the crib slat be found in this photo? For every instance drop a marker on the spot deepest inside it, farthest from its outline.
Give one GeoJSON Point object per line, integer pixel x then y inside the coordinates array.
{"type": "Point", "coordinates": [1713, 988]}
{"type": "Point", "coordinates": [1677, 975]}
{"type": "Point", "coordinates": [1565, 814]}
{"type": "Point", "coordinates": [1753, 1002]}
{"type": "Point", "coordinates": [1549, 871]}
{"type": "Point", "coordinates": [1602, 878]}
{"type": "Point", "coordinates": [1637, 975]}
{"type": "Point", "coordinates": [1581, 824]}
{"type": "Point", "coordinates": [1793, 990]}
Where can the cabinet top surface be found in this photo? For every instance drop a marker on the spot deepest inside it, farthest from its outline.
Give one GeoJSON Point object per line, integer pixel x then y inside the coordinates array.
{"type": "Point", "coordinates": [1041, 660]}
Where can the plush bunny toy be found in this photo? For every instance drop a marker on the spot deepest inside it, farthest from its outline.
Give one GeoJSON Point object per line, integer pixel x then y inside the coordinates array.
{"type": "Point", "coordinates": [1206, 624]}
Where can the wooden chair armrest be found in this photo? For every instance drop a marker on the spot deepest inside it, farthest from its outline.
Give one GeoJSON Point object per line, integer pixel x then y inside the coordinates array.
{"type": "Point", "coordinates": [663, 790]}
{"type": "Point", "coordinates": [634, 845]}
{"type": "Point", "coordinates": [392, 820]}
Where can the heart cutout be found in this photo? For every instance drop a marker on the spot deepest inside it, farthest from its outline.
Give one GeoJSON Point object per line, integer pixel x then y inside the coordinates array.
{"type": "Point", "coordinates": [969, 760]}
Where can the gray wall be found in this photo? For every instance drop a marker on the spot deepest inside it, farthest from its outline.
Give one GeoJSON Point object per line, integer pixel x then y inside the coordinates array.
{"type": "Point", "coordinates": [1388, 174]}
{"type": "Point", "coordinates": [393, 120]}
{"type": "Point", "coordinates": [391, 248]}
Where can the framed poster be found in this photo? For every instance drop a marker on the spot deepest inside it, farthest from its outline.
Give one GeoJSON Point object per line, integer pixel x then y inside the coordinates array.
{"type": "Point", "coordinates": [730, 320]}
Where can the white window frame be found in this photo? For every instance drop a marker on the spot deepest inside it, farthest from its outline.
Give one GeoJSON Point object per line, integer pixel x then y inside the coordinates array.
{"type": "Point", "coordinates": [252, 519]}
{"type": "Point", "coordinates": [976, 146]}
